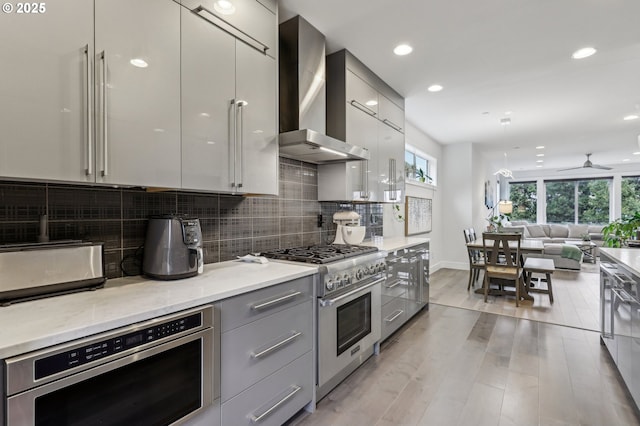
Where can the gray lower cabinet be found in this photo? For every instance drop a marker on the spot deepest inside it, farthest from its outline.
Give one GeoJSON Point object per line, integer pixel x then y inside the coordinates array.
{"type": "Point", "coordinates": [406, 290]}
{"type": "Point", "coordinates": [267, 367]}
{"type": "Point", "coordinates": [620, 319]}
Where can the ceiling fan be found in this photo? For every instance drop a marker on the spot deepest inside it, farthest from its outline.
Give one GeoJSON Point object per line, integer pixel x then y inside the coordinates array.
{"type": "Point", "coordinates": [587, 165]}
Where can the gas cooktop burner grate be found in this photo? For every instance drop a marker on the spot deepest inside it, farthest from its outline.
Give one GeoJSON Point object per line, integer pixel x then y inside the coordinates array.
{"type": "Point", "coordinates": [319, 254]}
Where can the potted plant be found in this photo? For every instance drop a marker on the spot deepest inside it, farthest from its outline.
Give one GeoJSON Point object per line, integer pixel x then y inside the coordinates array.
{"type": "Point", "coordinates": [618, 232]}
{"type": "Point", "coordinates": [496, 223]}
{"type": "Point", "coordinates": [422, 176]}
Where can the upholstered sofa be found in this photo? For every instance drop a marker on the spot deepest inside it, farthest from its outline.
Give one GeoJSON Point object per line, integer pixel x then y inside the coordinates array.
{"type": "Point", "coordinates": [556, 233]}
{"type": "Point", "coordinates": [553, 236]}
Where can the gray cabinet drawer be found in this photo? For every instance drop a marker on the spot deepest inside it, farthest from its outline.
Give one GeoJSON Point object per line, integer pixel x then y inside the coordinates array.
{"type": "Point", "coordinates": [252, 306]}
{"type": "Point", "coordinates": [276, 398]}
{"type": "Point", "coordinates": [253, 351]}
{"type": "Point", "coordinates": [394, 314]}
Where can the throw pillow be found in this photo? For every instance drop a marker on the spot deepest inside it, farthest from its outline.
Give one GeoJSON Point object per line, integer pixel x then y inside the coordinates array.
{"type": "Point", "coordinates": [559, 231]}
{"type": "Point", "coordinates": [536, 231]}
{"type": "Point", "coordinates": [595, 229]}
{"type": "Point", "coordinates": [577, 231]}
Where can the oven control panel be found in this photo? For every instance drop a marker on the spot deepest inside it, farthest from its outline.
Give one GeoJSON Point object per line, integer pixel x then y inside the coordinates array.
{"type": "Point", "coordinates": [72, 358]}
{"type": "Point", "coordinates": [352, 276]}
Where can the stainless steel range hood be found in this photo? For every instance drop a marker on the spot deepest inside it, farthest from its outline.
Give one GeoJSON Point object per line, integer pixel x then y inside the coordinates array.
{"type": "Point", "coordinates": [303, 98]}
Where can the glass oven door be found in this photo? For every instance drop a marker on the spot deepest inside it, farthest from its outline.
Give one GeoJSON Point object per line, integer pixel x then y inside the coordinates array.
{"type": "Point", "coordinates": [163, 385]}
{"type": "Point", "coordinates": [353, 322]}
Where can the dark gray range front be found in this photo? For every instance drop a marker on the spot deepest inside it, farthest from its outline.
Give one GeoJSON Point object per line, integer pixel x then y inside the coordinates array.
{"type": "Point", "coordinates": [349, 306]}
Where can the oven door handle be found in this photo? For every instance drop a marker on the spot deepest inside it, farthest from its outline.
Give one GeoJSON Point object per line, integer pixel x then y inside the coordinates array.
{"type": "Point", "coordinates": [329, 302]}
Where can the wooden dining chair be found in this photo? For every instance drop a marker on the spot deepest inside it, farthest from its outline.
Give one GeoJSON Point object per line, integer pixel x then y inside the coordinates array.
{"type": "Point", "coordinates": [476, 261]}
{"type": "Point", "coordinates": [502, 261]}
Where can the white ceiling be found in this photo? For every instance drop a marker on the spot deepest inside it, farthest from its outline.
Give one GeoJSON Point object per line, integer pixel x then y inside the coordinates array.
{"type": "Point", "coordinates": [502, 55]}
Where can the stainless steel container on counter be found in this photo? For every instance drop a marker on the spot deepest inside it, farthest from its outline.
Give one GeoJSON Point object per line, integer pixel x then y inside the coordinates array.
{"type": "Point", "coordinates": [30, 271]}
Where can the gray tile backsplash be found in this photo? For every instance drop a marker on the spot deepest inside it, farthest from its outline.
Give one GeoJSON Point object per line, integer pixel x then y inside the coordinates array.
{"type": "Point", "coordinates": [231, 225]}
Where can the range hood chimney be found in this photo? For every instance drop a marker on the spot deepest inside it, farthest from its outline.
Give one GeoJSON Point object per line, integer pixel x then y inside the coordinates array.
{"type": "Point", "coordinates": [303, 98]}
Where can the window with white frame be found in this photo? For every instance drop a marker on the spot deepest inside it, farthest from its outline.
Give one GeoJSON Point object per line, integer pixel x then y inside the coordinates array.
{"type": "Point", "coordinates": [419, 167]}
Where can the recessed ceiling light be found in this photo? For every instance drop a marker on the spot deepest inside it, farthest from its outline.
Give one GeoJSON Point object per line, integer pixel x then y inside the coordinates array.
{"type": "Point", "coordinates": [636, 153]}
{"type": "Point", "coordinates": [585, 52]}
{"type": "Point", "coordinates": [540, 147]}
{"type": "Point", "coordinates": [402, 49]}
{"type": "Point", "coordinates": [539, 165]}
{"type": "Point", "coordinates": [435, 88]}
{"type": "Point", "coordinates": [626, 159]}
{"type": "Point", "coordinates": [539, 155]}
{"type": "Point", "coordinates": [138, 62]}
{"type": "Point", "coordinates": [505, 121]}
{"type": "Point", "coordinates": [371, 102]}
{"type": "Point", "coordinates": [539, 161]}
{"type": "Point", "coordinates": [508, 112]}
{"type": "Point", "coordinates": [630, 117]}
{"type": "Point", "coordinates": [225, 7]}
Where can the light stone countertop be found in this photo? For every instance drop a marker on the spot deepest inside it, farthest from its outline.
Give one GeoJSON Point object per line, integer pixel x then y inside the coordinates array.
{"type": "Point", "coordinates": [28, 326]}
{"type": "Point", "coordinates": [395, 243]}
{"type": "Point", "coordinates": [630, 257]}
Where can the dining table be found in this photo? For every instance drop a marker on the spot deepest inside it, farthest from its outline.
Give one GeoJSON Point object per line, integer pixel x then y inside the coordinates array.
{"type": "Point", "coordinates": [526, 247]}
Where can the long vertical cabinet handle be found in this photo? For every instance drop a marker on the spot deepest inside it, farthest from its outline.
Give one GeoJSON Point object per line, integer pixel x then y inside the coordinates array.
{"type": "Point", "coordinates": [89, 164]}
{"type": "Point", "coordinates": [241, 104]}
{"type": "Point", "coordinates": [105, 136]}
{"type": "Point", "coordinates": [392, 179]}
{"type": "Point", "coordinates": [233, 156]}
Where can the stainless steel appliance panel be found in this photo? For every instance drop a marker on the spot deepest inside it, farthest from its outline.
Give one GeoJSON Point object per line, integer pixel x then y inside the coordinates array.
{"type": "Point", "coordinates": [333, 360]}
{"type": "Point", "coordinates": [163, 371]}
{"type": "Point", "coordinates": [33, 270]}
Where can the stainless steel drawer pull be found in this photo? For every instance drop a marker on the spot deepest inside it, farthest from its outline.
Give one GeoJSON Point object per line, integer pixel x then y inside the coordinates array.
{"type": "Point", "coordinates": [275, 301]}
{"type": "Point", "coordinates": [362, 108]}
{"type": "Point", "coordinates": [278, 345]}
{"type": "Point", "coordinates": [256, 419]}
{"type": "Point", "coordinates": [394, 284]}
{"type": "Point", "coordinates": [395, 316]}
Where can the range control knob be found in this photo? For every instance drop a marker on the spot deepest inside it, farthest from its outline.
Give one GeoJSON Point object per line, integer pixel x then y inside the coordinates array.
{"type": "Point", "coordinates": [359, 274]}
{"type": "Point", "coordinates": [346, 279]}
{"type": "Point", "coordinates": [372, 269]}
{"type": "Point", "coordinates": [329, 285]}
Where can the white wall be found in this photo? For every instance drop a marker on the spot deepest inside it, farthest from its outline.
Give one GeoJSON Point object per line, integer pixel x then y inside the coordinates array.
{"type": "Point", "coordinates": [393, 227]}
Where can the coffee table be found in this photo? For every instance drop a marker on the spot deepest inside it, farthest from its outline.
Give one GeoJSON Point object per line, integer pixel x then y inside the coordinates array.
{"type": "Point", "coordinates": [586, 247]}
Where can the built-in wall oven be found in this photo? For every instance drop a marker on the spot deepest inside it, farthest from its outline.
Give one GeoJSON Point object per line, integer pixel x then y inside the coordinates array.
{"type": "Point", "coordinates": [159, 372]}
{"type": "Point", "coordinates": [349, 306]}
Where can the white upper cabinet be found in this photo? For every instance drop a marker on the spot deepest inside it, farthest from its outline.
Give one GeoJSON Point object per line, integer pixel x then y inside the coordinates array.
{"type": "Point", "coordinates": [137, 50]}
{"type": "Point", "coordinates": [229, 140]}
{"type": "Point", "coordinates": [46, 92]}
{"type": "Point", "coordinates": [361, 95]}
{"type": "Point", "coordinates": [74, 106]}
{"type": "Point", "coordinates": [208, 92]}
{"type": "Point", "coordinates": [256, 142]}
{"type": "Point", "coordinates": [249, 20]}
{"type": "Point", "coordinates": [364, 111]}
{"type": "Point", "coordinates": [391, 114]}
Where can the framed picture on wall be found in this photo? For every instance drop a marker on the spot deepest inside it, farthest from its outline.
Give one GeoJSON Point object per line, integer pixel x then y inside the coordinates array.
{"type": "Point", "coordinates": [418, 215]}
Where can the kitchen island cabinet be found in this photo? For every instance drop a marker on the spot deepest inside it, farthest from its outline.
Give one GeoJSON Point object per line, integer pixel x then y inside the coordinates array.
{"type": "Point", "coordinates": [81, 99]}
{"type": "Point", "coordinates": [229, 141]}
{"type": "Point", "coordinates": [620, 312]}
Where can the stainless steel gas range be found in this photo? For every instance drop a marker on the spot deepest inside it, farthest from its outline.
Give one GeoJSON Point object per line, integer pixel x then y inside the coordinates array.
{"type": "Point", "coordinates": [349, 306]}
